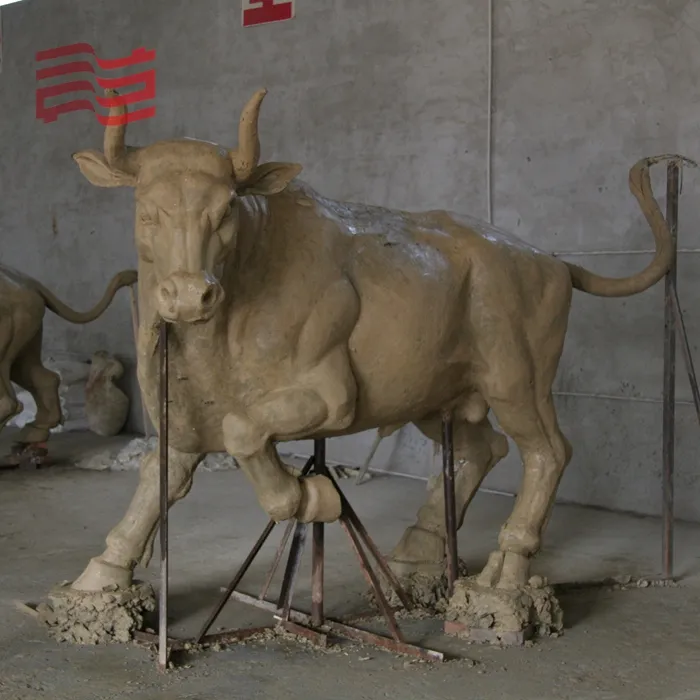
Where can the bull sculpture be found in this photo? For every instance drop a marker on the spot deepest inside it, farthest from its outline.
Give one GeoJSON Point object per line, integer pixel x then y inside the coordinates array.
{"type": "Point", "coordinates": [295, 317]}
{"type": "Point", "coordinates": [23, 303]}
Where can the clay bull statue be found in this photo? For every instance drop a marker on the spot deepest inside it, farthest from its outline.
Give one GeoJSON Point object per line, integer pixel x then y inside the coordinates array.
{"type": "Point", "coordinates": [23, 302]}
{"type": "Point", "coordinates": [296, 317]}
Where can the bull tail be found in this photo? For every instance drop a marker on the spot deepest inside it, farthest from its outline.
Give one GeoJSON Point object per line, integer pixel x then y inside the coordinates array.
{"type": "Point", "coordinates": [640, 186]}
{"type": "Point", "coordinates": [125, 278]}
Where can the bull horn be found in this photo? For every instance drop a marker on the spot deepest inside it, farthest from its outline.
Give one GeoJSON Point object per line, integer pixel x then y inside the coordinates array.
{"type": "Point", "coordinates": [114, 142]}
{"type": "Point", "coordinates": [245, 158]}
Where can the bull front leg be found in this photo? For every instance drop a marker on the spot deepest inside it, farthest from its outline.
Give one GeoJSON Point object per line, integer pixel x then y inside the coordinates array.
{"type": "Point", "coordinates": [131, 541]}
{"type": "Point", "coordinates": [249, 440]}
{"type": "Point", "coordinates": [324, 399]}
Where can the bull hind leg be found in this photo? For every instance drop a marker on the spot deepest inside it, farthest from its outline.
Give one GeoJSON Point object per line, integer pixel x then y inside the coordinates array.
{"type": "Point", "coordinates": [532, 423]}
{"type": "Point", "coordinates": [478, 448]}
{"type": "Point", "coordinates": [42, 384]}
{"type": "Point", "coordinates": [9, 405]}
{"type": "Point", "coordinates": [131, 541]}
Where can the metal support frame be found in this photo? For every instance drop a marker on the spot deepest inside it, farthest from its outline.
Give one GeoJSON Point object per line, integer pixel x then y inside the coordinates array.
{"type": "Point", "coordinates": [674, 328]}
{"type": "Point", "coordinates": [316, 626]}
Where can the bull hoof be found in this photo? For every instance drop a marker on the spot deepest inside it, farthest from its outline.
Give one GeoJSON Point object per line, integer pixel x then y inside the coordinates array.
{"type": "Point", "coordinates": [506, 570]}
{"type": "Point", "coordinates": [418, 551]}
{"type": "Point", "coordinates": [94, 617]}
{"type": "Point", "coordinates": [320, 500]}
{"type": "Point", "coordinates": [100, 574]}
{"type": "Point", "coordinates": [283, 506]}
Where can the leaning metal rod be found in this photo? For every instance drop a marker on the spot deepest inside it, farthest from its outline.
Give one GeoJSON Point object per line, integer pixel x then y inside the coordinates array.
{"type": "Point", "coordinates": [278, 557]}
{"type": "Point", "coordinates": [448, 477]}
{"type": "Point", "coordinates": [371, 578]}
{"type": "Point", "coordinates": [365, 467]}
{"type": "Point", "coordinates": [290, 575]}
{"type": "Point", "coordinates": [687, 355]}
{"type": "Point", "coordinates": [163, 447]}
{"type": "Point", "coordinates": [243, 569]}
{"type": "Point", "coordinates": [355, 521]}
{"type": "Point", "coordinates": [236, 580]}
{"type": "Point", "coordinates": [669, 406]}
{"type": "Point", "coordinates": [343, 629]}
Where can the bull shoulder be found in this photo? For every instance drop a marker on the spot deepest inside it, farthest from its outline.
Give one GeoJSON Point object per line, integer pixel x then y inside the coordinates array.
{"type": "Point", "coordinates": [330, 322]}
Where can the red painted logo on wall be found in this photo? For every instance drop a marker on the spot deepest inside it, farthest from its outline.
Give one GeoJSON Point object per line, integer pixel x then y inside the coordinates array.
{"type": "Point", "coordinates": [68, 62]}
{"type": "Point", "coordinates": [266, 11]}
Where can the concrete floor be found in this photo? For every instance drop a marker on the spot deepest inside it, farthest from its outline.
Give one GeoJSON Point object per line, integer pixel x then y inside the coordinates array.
{"type": "Point", "coordinates": [642, 643]}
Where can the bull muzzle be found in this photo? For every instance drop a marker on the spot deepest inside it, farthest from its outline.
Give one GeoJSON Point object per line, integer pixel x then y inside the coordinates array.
{"type": "Point", "coordinates": [188, 298]}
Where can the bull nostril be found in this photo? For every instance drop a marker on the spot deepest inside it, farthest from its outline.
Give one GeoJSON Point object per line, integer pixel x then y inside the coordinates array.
{"type": "Point", "coordinates": [208, 296]}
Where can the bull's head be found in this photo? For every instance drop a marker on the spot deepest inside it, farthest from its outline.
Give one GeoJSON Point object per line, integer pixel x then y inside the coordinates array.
{"type": "Point", "coordinates": [187, 208]}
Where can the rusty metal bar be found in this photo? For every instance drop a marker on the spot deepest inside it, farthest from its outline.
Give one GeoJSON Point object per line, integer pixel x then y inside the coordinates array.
{"type": "Point", "coordinates": [394, 645]}
{"type": "Point", "coordinates": [687, 354]}
{"type": "Point", "coordinates": [448, 477]}
{"type": "Point", "coordinates": [345, 630]}
{"type": "Point", "coordinates": [227, 637]}
{"type": "Point", "coordinates": [669, 390]}
{"type": "Point", "coordinates": [317, 551]}
{"type": "Point", "coordinates": [318, 638]}
{"type": "Point", "coordinates": [246, 565]}
{"type": "Point", "coordinates": [290, 574]}
{"type": "Point", "coordinates": [372, 580]}
{"type": "Point", "coordinates": [278, 557]}
{"type": "Point", "coordinates": [163, 653]}
{"type": "Point", "coordinates": [353, 519]}
{"type": "Point", "coordinates": [236, 580]}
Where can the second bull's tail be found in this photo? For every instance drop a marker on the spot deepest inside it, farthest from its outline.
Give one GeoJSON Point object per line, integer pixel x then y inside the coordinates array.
{"type": "Point", "coordinates": [640, 186]}
{"type": "Point", "coordinates": [125, 278]}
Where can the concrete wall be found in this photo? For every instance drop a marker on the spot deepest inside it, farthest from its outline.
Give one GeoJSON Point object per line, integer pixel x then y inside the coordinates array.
{"type": "Point", "coordinates": [386, 102]}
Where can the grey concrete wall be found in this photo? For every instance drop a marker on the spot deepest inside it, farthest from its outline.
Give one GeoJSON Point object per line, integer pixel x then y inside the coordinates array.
{"type": "Point", "coordinates": [386, 102]}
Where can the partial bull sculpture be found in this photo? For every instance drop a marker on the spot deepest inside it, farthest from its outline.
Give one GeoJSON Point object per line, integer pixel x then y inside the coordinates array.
{"type": "Point", "coordinates": [23, 302]}
{"type": "Point", "coordinates": [294, 317]}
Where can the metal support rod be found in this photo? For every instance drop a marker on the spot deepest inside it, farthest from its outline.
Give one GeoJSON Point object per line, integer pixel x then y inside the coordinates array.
{"type": "Point", "coordinates": [163, 448]}
{"type": "Point", "coordinates": [687, 355]}
{"type": "Point", "coordinates": [354, 520]}
{"type": "Point", "coordinates": [669, 389]}
{"type": "Point", "coordinates": [285, 538]}
{"type": "Point", "coordinates": [317, 574]}
{"type": "Point", "coordinates": [343, 629]}
{"type": "Point", "coordinates": [317, 550]}
{"type": "Point", "coordinates": [448, 477]}
{"type": "Point", "coordinates": [236, 580]}
{"type": "Point", "coordinates": [278, 557]}
{"type": "Point", "coordinates": [365, 467]}
{"type": "Point", "coordinates": [290, 575]}
{"type": "Point", "coordinates": [371, 578]}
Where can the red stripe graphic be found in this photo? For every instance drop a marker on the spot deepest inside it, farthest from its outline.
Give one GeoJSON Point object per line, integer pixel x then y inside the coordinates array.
{"type": "Point", "coordinates": [145, 78]}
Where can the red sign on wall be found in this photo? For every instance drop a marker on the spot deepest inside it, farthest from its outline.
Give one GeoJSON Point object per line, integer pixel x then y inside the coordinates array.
{"type": "Point", "coordinates": [73, 60]}
{"type": "Point", "coordinates": [266, 11]}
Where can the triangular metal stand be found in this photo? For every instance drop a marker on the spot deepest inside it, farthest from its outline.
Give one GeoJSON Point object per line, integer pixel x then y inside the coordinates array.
{"type": "Point", "coordinates": [317, 627]}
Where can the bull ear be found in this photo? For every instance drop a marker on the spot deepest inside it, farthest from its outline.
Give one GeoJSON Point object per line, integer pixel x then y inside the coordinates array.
{"type": "Point", "coordinates": [269, 178]}
{"type": "Point", "coordinates": [95, 168]}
